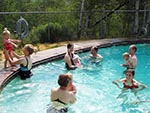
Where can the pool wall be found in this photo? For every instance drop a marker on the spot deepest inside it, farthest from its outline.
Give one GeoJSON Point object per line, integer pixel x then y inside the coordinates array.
{"type": "Point", "coordinates": [58, 53]}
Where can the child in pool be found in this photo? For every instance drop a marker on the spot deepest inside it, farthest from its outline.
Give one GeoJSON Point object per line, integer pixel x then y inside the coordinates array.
{"type": "Point", "coordinates": [129, 82]}
{"type": "Point", "coordinates": [76, 60]}
{"type": "Point", "coordinates": [8, 45]}
{"type": "Point", "coordinates": [71, 87]}
{"type": "Point", "coordinates": [126, 57]}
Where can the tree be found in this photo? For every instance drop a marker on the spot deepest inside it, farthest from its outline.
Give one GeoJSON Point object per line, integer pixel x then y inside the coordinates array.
{"type": "Point", "coordinates": [136, 24]}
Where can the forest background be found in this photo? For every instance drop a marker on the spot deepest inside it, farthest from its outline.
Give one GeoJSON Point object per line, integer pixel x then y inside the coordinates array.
{"type": "Point", "coordinates": [51, 21]}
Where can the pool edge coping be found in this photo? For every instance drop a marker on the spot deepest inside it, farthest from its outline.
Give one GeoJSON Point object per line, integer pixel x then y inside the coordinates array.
{"type": "Point", "coordinates": [101, 43]}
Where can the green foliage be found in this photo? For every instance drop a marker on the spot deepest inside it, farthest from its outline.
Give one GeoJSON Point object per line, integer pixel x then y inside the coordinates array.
{"type": "Point", "coordinates": [59, 25]}
{"type": "Point", "coordinates": [1, 40]}
{"type": "Point", "coordinates": [117, 25]}
{"type": "Point", "coordinates": [53, 32]}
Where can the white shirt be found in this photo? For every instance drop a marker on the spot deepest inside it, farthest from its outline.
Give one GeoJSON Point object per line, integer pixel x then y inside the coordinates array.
{"type": "Point", "coordinates": [133, 61]}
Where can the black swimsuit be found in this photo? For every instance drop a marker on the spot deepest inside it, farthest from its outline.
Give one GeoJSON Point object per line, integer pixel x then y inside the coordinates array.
{"type": "Point", "coordinates": [67, 66]}
{"type": "Point", "coordinates": [52, 109]}
{"type": "Point", "coordinates": [24, 72]}
{"type": "Point", "coordinates": [58, 100]}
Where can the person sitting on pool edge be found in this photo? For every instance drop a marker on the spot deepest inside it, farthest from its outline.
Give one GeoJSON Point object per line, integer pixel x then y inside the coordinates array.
{"type": "Point", "coordinates": [129, 82]}
{"type": "Point", "coordinates": [61, 97]}
{"type": "Point", "coordinates": [24, 61]}
{"type": "Point", "coordinates": [68, 58]}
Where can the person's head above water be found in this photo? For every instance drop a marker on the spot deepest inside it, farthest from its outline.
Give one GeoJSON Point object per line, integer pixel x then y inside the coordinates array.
{"type": "Point", "coordinates": [130, 74]}
{"type": "Point", "coordinates": [94, 50]}
{"type": "Point", "coordinates": [132, 49]}
{"type": "Point", "coordinates": [70, 47]}
{"type": "Point", "coordinates": [28, 49]}
{"type": "Point", "coordinates": [126, 56]}
{"type": "Point", "coordinates": [63, 80]}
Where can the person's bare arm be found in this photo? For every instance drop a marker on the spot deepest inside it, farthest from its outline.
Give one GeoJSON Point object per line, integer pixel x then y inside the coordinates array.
{"type": "Point", "coordinates": [18, 61]}
{"type": "Point", "coordinates": [72, 98]}
{"type": "Point", "coordinates": [53, 95]}
{"type": "Point", "coordinates": [17, 56]}
{"type": "Point", "coordinates": [141, 86]}
{"type": "Point", "coordinates": [116, 83]}
{"type": "Point", "coordinates": [15, 41]}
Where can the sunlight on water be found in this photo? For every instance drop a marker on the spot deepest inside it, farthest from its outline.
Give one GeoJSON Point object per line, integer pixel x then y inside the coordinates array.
{"type": "Point", "coordinates": [95, 91]}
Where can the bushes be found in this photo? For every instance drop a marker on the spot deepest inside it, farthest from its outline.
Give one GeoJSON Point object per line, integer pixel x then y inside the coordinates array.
{"type": "Point", "coordinates": [53, 32]}
{"type": "Point", "coordinates": [1, 40]}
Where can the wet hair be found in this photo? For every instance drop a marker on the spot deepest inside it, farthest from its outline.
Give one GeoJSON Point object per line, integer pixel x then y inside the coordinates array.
{"type": "Point", "coordinates": [63, 80]}
{"type": "Point", "coordinates": [133, 47]}
{"type": "Point", "coordinates": [30, 48]}
{"type": "Point", "coordinates": [69, 45]}
{"type": "Point", "coordinates": [132, 71]}
{"type": "Point", "coordinates": [95, 48]}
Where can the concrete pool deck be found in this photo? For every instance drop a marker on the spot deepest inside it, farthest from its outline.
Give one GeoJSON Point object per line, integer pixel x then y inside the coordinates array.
{"type": "Point", "coordinates": [56, 53]}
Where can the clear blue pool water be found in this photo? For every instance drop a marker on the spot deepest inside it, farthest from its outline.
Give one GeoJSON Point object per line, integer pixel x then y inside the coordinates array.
{"type": "Point", "coordinates": [95, 91]}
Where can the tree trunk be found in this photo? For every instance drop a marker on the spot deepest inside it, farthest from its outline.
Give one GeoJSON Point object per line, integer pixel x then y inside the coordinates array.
{"type": "Point", "coordinates": [144, 16]}
{"type": "Point", "coordinates": [136, 24]}
{"type": "Point", "coordinates": [80, 20]}
{"type": "Point", "coordinates": [148, 23]}
{"type": "Point", "coordinates": [148, 19]}
{"type": "Point", "coordinates": [86, 24]}
{"type": "Point", "coordinates": [143, 30]}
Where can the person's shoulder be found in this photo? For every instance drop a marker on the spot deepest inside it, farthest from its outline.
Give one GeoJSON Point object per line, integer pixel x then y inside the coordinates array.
{"type": "Point", "coordinates": [66, 55]}
{"type": "Point", "coordinates": [134, 56]}
{"type": "Point", "coordinates": [54, 90]}
{"type": "Point", "coordinates": [135, 81]}
{"type": "Point", "coordinates": [122, 80]}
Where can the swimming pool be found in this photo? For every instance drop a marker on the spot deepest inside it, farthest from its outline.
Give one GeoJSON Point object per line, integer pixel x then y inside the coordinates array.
{"type": "Point", "coordinates": [95, 91]}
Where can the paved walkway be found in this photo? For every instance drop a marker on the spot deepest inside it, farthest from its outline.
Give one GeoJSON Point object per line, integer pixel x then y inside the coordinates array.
{"type": "Point", "coordinates": [51, 54]}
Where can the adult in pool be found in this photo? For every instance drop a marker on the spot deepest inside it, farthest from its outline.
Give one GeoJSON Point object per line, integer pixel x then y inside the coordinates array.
{"type": "Point", "coordinates": [133, 58]}
{"type": "Point", "coordinates": [61, 97]}
{"type": "Point", "coordinates": [94, 53]}
{"type": "Point", "coordinates": [129, 82]}
{"type": "Point", "coordinates": [94, 56]}
{"type": "Point", "coordinates": [24, 61]}
{"type": "Point", "coordinates": [70, 61]}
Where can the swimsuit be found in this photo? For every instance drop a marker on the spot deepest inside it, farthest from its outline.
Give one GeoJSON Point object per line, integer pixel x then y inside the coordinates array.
{"type": "Point", "coordinates": [24, 72]}
{"type": "Point", "coordinates": [58, 100]}
{"type": "Point", "coordinates": [129, 87]}
{"type": "Point", "coordinates": [67, 66]}
{"type": "Point", "coordinates": [8, 46]}
{"type": "Point", "coordinates": [52, 109]}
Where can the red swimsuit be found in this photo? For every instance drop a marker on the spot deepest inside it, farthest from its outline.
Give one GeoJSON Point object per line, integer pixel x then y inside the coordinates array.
{"type": "Point", "coordinates": [129, 87]}
{"type": "Point", "coordinates": [8, 46]}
